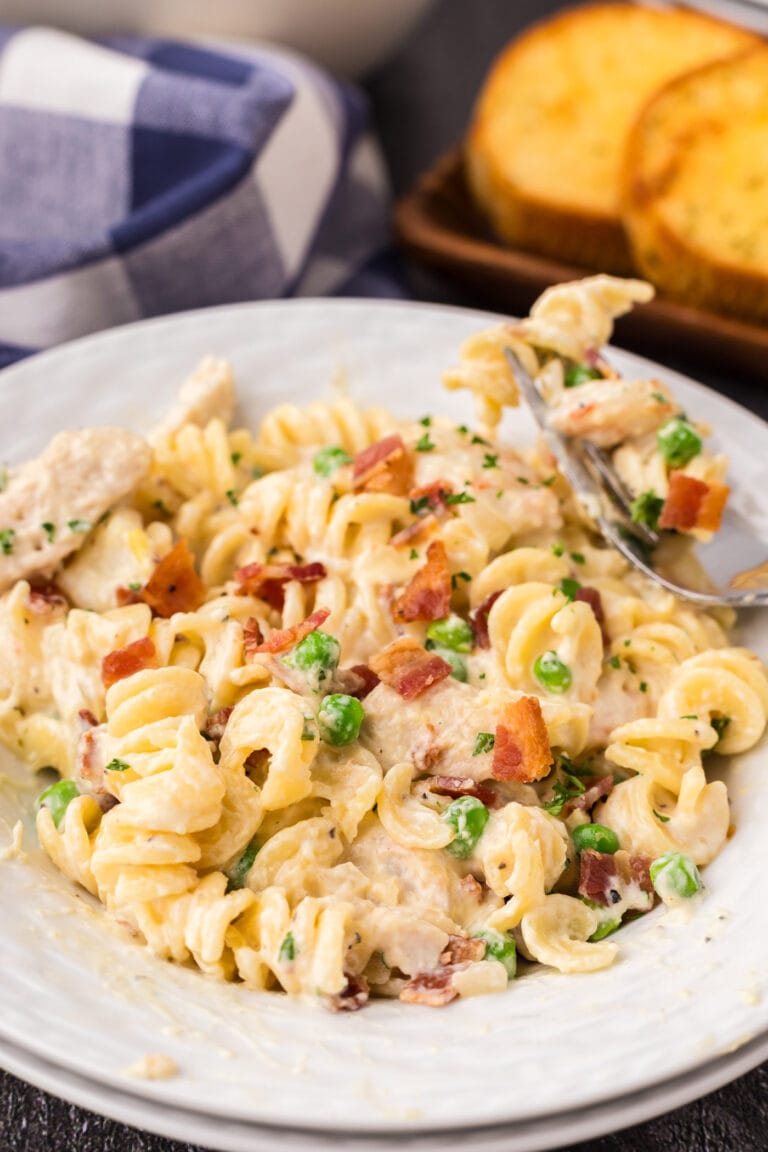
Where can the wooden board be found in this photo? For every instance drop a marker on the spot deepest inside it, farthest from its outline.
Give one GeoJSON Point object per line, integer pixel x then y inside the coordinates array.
{"type": "Point", "coordinates": [438, 224]}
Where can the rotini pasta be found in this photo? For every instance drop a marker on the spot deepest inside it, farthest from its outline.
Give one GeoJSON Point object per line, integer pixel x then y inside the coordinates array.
{"type": "Point", "coordinates": [351, 706]}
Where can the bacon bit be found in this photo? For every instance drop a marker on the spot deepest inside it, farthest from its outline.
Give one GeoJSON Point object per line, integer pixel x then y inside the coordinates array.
{"type": "Point", "coordinates": [691, 504]}
{"type": "Point", "coordinates": [588, 595]}
{"type": "Point", "coordinates": [479, 619]}
{"type": "Point", "coordinates": [47, 600]}
{"type": "Point", "coordinates": [472, 887]}
{"type": "Point", "coordinates": [253, 637]}
{"type": "Point", "coordinates": [174, 586]}
{"type": "Point", "coordinates": [456, 786]}
{"type": "Point", "coordinates": [87, 718]}
{"type": "Point", "coordinates": [428, 595]}
{"type": "Point", "coordinates": [215, 724]}
{"type": "Point", "coordinates": [599, 878]}
{"type": "Point", "coordinates": [89, 759]}
{"type": "Point", "coordinates": [640, 870]}
{"type": "Point", "coordinates": [352, 997]}
{"type": "Point", "coordinates": [267, 581]}
{"type": "Point", "coordinates": [597, 787]}
{"type": "Point", "coordinates": [386, 466]}
{"type": "Point", "coordinates": [358, 680]}
{"type": "Point", "coordinates": [125, 596]}
{"type": "Point", "coordinates": [432, 988]}
{"type": "Point", "coordinates": [281, 639]}
{"type": "Point", "coordinates": [435, 495]}
{"type": "Point", "coordinates": [521, 748]}
{"type": "Point", "coordinates": [406, 667]}
{"type": "Point", "coordinates": [463, 950]}
{"type": "Point", "coordinates": [416, 531]}
{"type": "Point", "coordinates": [123, 662]}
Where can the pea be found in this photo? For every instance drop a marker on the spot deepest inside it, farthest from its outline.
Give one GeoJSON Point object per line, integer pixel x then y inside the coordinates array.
{"type": "Point", "coordinates": [678, 442]}
{"type": "Point", "coordinates": [604, 929]}
{"type": "Point", "coordinates": [457, 662]}
{"type": "Point", "coordinates": [453, 633]}
{"type": "Point", "coordinates": [339, 719]}
{"type": "Point", "coordinates": [673, 875]}
{"type": "Point", "coordinates": [595, 836]}
{"type": "Point", "coordinates": [576, 374]}
{"type": "Point", "coordinates": [468, 816]}
{"type": "Point", "coordinates": [57, 799]}
{"type": "Point", "coordinates": [501, 947]}
{"type": "Point", "coordinates": [550, 671]}
{"type": "Point", "coordinates": [238, 873]}
{"type": "Point", "coordinates": [317, 655]}
{"type": "Point", "coordinates": [327, 460]}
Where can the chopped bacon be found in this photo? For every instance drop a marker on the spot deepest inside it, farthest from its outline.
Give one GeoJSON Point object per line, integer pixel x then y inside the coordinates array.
{"type": "Point", "coordinates": [432, 988]}
{"type": "Point", "coordinates": [47, 599]}
{"type": "Point", "coordinates": [596, 788]}
{"type": "Point", "coordinates": [521, 749]}
{"type": "Point", "coordinates": [253, 637]}
{"type": "Point", "coordinates": [428, 595]}
{"type": "Point", "coordinates": [267, 581]}
{"type": "Point", "coordinates": [386, 466]}
{"type": "Point", "coordinates": [174, 586]}
{"type": "Point", "coordinates": [125, 596]}
{"type": "Point", "coordinates": [472, 887]}
{"type": "Point", "coordinates": [479, 619]}
{"type": "Point", "coordinates": [456, 786]}
{"type": "Point", "coordinates": [126, 661]}
{"type": "Point", "coordinates": [358, 680]}
{"type": "Point", "coordinates": [640, 871]}
{"type": "Point", "coordinates": [215, 724]}
{"type": "Point", "coordinates": [599, 878]}
{"type": "Point", "coordinates": [406, 667]}
{"type": "Point", "coordinates": [420, 528]}
{"type": "Point", "coordinates": [352, 997]}
{"type": "Point", "coordinates": [591, 596]}
{"type": "Point", "coordinates": [89, 759]}
{"type": "Point", "coordinates": [463, 950]}
{"type": "Point", "coordinates": [432, 496]}
{"type": "Point", "coordinates": [691, 503]}
{"type": "Point", "coordinates": [281, 639]}
{"type": "Point", "coordinates": [87, 718]}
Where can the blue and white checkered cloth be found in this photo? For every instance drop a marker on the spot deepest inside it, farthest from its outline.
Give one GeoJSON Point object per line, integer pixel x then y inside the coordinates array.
{"type": "Point", "coordinates": [143, 177]}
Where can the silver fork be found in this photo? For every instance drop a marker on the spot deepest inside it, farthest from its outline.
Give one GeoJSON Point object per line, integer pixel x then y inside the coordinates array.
{"type": "Point", "coordinates": [606, 501]}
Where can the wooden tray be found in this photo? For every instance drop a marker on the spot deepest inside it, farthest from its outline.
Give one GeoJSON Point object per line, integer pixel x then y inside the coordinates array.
{"type": "Point", "coordinates": [438, 224]}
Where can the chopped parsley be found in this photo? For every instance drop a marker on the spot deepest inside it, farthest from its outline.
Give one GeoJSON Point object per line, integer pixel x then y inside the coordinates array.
{"type": "Point", "coordinates": [288, 949]}
{"type": "Point", "coordinates": [236, 457]}
{"type": "Point", "coordinates": [462, 429]}
{"type": "Point", "coordinates": [643, 686]}
{"type": "Point", "coordinates": [549, 481]}
{"type": "Point", "coordinates": [577, 557]}
{"type": "Point", "coordinates": [658, 815]}
{"type": "Point", "coordinates": [117, 766]}
{"type": "Point", "coordinates": [564, 790]}
{"type": "Point", "coordinates": [459, 498]}
{"type": "Point", "coordinates": [658, 397]}
{"type": "Point", "coordinates": [614, 662]}
{"type": "Point", "coordinates": [479, 440]}
{"type": "Point", "coordinates": [646, 509]}
{"type": "Point", "coordinates": [426, 421]}
{"type": "Point", "coordinates": [6, 540]}
{"type": "Point", "coordinates": [3, 478]}
{"type": "Point", "coordinates": [158, 504]}
{"type": "Point", "coordinates": [424, 444]}
{"type": "Point", "coordinates": [231, 495]}
{"type": "Point", "coordinates": [720, 723]}
{"type": "Point", "coordinates": [49, 529]}
{"type": "Point", "coordinates": [465, 576]}
{"type": "Point", "coordinates": [569, 588]}
{"type": "Point", "coordinates": [418, 506]}
{"type": "Point", "coordinates": [413, 554]}
{"type": "Point", "coordinates": [523, 480]}
{"type": "Point", "coordinates": [557, 549]}
{"type": "Point", "coordinates": [491, 460]}
{"type": "Point", "coordinates": [79, 525]}
{"type": "Point", "coordinates": [484, 742]}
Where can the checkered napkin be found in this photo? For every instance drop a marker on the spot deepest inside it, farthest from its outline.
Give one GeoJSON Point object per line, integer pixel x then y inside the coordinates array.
{"type": "Point", "coordinates": [143, 177]}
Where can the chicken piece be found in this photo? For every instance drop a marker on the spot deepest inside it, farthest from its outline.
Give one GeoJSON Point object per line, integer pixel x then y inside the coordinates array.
{"type": "Point", "coordinates": [51, 503]}
{"type": "Point", "coordinates": [208, 393]}
{"type": "Point", "coordinates": [606, 412]}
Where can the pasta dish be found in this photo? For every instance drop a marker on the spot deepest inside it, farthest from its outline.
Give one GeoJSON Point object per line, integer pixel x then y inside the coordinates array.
{"type": "Point", "coordinates": [354, 706]}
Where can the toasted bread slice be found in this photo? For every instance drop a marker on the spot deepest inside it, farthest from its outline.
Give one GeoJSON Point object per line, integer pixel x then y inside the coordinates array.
{"type": "Point", "coordinates": [545, 148]}
{"type": "Point", "coordinates": [696, 187]}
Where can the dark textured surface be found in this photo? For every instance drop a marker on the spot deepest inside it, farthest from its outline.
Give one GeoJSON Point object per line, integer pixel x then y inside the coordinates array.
{"type": "Point", "coordinates": [421, 103]}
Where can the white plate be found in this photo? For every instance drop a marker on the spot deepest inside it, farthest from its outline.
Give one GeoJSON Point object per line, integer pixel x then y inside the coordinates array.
{"type": "Point", "coordinates": [558, 1057]}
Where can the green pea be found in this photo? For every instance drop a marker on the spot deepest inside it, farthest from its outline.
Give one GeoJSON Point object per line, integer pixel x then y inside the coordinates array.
{"type": "Point", "coordinates": [595, 836]}
{"type": "Point", "coordinates": [605, 928]}
{"type": "Point", "coordinates": [550, 671]}
{"type": "Point", "coordinates": [675, 874]}
{"type": "Point", "coordinates": [576, 374]}
{"type": "Point", "coordinates": [327, 460]}
{"type": "Point", "coordinates": [317, 655]}
{"type": "Point", "coordinates": [457, 662]}
{"type": "Point", "coordinates": [678, 442]}
{"type": "Point", "coordinates": [57, 799]}
{"type": "Point", "coordinates": [468, 817]}
{"type": "Point", "coordinates": [238, 873]}
{"type": "Point", "coordinates": [501, 947]}
{"type": "Point", "coordinates": [339, 718]}
{"type": "Point", "coordinates": [453, 633]}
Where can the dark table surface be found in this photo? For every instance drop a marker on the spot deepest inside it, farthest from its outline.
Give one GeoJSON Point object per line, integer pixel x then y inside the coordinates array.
{"type": "Point", "coordinates": [420, 104]}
